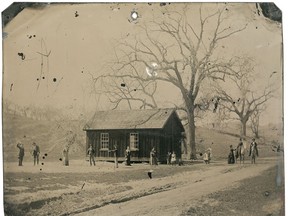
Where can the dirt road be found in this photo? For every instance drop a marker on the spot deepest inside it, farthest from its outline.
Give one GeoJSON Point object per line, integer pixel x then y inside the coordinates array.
{"type": "Point", "coordinates": [102, 190]}
{"type": "Point", "coordinates": [186, 188]}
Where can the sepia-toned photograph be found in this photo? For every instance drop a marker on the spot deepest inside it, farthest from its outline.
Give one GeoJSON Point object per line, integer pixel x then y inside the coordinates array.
{"type": "Point", "coordinates": [147, 108]}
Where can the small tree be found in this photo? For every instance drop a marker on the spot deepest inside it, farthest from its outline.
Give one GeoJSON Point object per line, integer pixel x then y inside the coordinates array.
{"type": "Point", "coordinates": [241, 98]}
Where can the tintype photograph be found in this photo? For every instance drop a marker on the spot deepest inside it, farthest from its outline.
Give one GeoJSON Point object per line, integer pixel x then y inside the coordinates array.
{"type": "Point", "coordinates": [142, 109]}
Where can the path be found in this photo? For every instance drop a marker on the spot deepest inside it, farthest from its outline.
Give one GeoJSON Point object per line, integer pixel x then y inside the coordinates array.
{"type": "Point", "coordinates": [193, 185]}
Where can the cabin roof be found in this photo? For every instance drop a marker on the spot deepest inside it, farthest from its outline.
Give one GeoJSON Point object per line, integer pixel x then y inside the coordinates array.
{"type": "Point", "coordinates": [130, 119]}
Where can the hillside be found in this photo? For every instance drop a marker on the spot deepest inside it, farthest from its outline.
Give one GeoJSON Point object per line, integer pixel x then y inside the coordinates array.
{"type": "Point", "coordinates": [52, 136]}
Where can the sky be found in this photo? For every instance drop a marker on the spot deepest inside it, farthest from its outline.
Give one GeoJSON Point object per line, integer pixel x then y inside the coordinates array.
{"type": "Point", "coordinates": [50, 53]}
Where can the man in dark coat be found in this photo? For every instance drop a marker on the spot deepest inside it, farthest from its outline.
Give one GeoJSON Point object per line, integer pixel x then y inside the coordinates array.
{"type": "Point", "coordinates": [21, 154]}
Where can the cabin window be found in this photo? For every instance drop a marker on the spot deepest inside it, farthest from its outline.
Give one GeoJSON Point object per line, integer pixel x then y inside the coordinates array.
{"type": "Point", "coordinates": [104, 141]}
{"type": "Point", "coordinates": [134, 141]}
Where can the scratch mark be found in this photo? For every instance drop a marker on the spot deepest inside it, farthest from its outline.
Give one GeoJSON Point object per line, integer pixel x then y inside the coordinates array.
{"type": "Point", "coordinates": [83, 186]}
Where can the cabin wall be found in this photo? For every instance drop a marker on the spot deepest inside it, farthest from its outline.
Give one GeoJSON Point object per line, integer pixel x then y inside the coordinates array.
{"type": "Point", "coordinates": [147, 140]}
{"type": "Point", "coordinates": [164, 140]}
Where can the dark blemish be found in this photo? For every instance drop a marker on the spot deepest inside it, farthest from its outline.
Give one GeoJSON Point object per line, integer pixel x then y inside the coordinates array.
{"type": "Point", "coordinates": [43, 157]}
{"type": "Point", "coordinates": [165, 112]}
{"type": "Point", "coordinates": [43, 77]}
{"type": "Point", "coordinates": [37, 79]}
{"type": "Point", "coordinates": [226, 9]}
{"type": "Point", "coordinates": [150, 174]}
{"type": "Point", "coordinates": [21, 55]}
{"type": "Point", "coordinates": [256, 27]}
{"type": "Point", "coordinates": [41, 169]}
{"type": "Point", "coordinates": [11, 86]}
{"type": "Point", "coordinates": [24, 136]}
{"type": "Point", "coordinates": [223, 47]}
{"type": "Point", "coordinates": [234, 102]}
{"type": "Point", "coordinates": [46, 154]}
{"type": "Point", "coordinates": [215, 106]}
{"type": "Point", "coordinates": [81, 71]}
{"type": "Point", "coordinates": [42, 163]}
{"type": "Point", "coordinates": [60, 159]}
{"type": "Point", "coordinates": [29, 178]}
{"type": "Point", "coordinates": [123, 85]}
{"type": "Point", "coordinates": [238, 99]}
{"type": "Point", "coordinates": [54, 79]}
{"type": "Point", "coordinates": [135, 89]}
{"type": "Point", "coordinates": [149, 3]}
{"type": "Point", "coordinates": [76, 14]}
{"type": "Point", "coordinates": [34, 35]}
{"type": "Point", "coordinates": [162, 4]}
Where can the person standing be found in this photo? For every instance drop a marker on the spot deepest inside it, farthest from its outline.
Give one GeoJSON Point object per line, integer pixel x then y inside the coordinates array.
{"type": "Point", "coordinates": [153, 158]}
{"type": "Point", "coordinates": [21, 153]}
{"type": "Point", "coordinates": [91, 153]}
{"type": "Point", "coordinates": [128, 156]}
{"type": "Point", "coordinates": [173, 158]}
{"type": "Point", "coordinates": [115, 150]}
{"type": "Point", "coordinates": [65, 156]}
{"type": "Point", "coordinates": [36, 153]}
{"type": "Point", "coordinates": [231, 157]}
{"type": "Point", "coordinates": [253, 145]}
{"type": "Point", "coordinates": [168, 158]}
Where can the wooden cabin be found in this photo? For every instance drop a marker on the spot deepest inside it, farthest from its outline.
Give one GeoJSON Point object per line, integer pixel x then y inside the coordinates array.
{"type": "Point", "coordinates": [141, 130]}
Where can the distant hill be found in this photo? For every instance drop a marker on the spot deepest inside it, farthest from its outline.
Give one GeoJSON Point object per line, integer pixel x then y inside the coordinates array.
{"type": "Point", "coordinates": [52, 136]}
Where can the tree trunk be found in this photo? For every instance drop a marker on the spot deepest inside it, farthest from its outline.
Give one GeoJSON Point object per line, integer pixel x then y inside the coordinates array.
{"type": "Point", "coordinates": [243, 122]}
{"type": "Point", "coordinates": [191, 133]}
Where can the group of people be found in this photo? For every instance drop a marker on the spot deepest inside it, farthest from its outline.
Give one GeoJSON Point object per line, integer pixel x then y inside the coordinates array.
{"type": "Point", "coordinates": [91, 153]}
{"type": "Point", "coordinates": [239, 152]}
{"type": "Point", "coordinates": [35, 153]}
{"type": "Point", "coordinates": [171, 158]}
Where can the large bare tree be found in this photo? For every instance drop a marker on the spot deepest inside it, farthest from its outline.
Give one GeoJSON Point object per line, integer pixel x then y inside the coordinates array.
{"type": "Point", "coordinates": [180, 50]}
